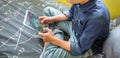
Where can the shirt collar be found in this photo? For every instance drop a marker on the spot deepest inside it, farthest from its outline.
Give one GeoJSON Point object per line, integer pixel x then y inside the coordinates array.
{"type": "Point", "coordinates": [87, 5]}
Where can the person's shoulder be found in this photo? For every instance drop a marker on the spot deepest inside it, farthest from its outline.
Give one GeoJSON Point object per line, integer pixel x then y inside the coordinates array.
{"type": "Point", "coordinates": [99, 7]}
{"type": "Point", "coordinates": [98, 12]}
{"type": "Point", "coordinates": [95, 14]}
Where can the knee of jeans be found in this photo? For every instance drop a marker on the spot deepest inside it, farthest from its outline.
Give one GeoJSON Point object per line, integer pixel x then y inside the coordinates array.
{"type": "Point", "coordinates": [48, 11]}
{"type": "Point", "coordinates": [59, 34]}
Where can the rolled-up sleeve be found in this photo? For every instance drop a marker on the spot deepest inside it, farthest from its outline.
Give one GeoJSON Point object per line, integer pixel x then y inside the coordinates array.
{"type": "Point", "coordinates": [69, 13]}
{"type": "Point", "coordinates": [90, 33]}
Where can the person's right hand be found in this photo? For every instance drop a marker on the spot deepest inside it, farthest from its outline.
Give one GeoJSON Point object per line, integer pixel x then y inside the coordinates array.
{"type": "Point", "coordinates": [45, 20]}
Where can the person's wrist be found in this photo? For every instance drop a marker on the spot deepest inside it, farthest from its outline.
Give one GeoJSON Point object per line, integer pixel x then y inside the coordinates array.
{"type": "Point", "coordinates": [53, 19]}
{"type": "Point", "coordinates": [53, 39]}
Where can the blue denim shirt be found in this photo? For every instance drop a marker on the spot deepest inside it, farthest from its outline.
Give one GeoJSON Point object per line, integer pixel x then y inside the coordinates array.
{"type": "Point", "coordinates": [90, 22]}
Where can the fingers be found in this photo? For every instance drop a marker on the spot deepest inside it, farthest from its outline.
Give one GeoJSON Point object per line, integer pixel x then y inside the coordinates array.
{"type": "Point", "coordinates": [48, 30]}
{"type": "Point", "coordinates": [42, 19]}
{"type": "Point", "coordinates": [44, 34]}
{"type": "Point", "coordinates": [47, 37]}
{"type": "Point", "coordinates": [41, 34]}
{"type": "Point", "coordinates": [45, 19]}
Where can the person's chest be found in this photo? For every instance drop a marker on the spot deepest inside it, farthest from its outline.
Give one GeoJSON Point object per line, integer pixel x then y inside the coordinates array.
{"type": "Point", "coordinates": [79, 21]}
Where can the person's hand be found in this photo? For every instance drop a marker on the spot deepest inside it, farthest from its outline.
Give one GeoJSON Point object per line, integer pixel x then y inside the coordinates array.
{"type": "Point", "coordinates": [47, 37]}
{"type": "Point", "coordinates": [45, 20]}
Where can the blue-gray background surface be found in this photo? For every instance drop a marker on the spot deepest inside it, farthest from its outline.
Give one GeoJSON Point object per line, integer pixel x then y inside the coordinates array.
{"type": "Point", "coordinates": [17, 40]}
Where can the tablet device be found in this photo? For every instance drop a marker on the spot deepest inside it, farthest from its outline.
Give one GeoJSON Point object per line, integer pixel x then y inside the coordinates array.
{"type": "Point", "coordinates": [32, 21]}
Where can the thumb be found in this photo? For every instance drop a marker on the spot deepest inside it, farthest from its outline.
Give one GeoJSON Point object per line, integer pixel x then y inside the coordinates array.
{"type": "Point", "coordinates": [41, 17]}
{"type": "Point", "coordinates": [44, 21]}
{"type": "Point", "coordinates": [47, 29]}
{"type": "Point", "coordinates": [41, 34]}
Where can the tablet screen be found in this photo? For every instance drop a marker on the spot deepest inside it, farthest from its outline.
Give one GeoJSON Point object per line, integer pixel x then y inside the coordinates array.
{"type": "Point", "coordinates": [32, 21]}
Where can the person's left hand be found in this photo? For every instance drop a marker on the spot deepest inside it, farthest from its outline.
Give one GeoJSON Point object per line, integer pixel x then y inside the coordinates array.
{"type": "Point", "coordinates": [48, 36]}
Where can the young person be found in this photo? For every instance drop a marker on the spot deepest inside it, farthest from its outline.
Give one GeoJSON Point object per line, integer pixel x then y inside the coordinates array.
{"type": "Point", "coordinates": [86, 23]}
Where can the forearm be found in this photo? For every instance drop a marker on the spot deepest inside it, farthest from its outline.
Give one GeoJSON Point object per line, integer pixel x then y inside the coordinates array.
{"type": "Point", "coordinates": [61, 43]}
{"type": "Point", "coordinates": [60, 17]}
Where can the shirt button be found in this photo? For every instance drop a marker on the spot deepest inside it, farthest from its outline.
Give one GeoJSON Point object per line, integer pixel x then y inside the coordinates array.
{"type": "Point", "coordinates": [76, 34]}
{"type": "Point", "coordinates": [73, 22]}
